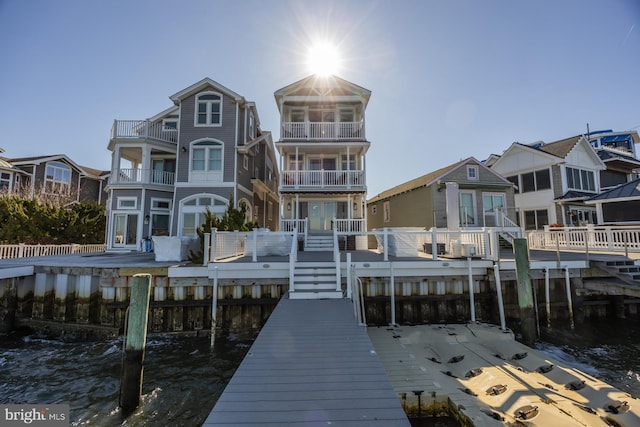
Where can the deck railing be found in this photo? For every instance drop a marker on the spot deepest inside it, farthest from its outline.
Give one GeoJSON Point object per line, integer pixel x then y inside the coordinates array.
{"type": "Point", "coordinates": [144, 176]}
{"type": "Point", "coordinates": [323, 130]}
{"type": "Point", "coordinates": [349, 225]}
{"type": "Point", "coordinates": [321, 179]}
{"type": "Point", "coordinates": [26, 251]}
{"type": "Point", "coordinates": [142, 129]}
{"type": "Point", "coordinates": [589, 238]}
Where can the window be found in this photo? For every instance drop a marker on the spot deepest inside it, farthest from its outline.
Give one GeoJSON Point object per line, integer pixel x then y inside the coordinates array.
{"type": "Point", "coordinates": [347, 115]}
{"type": "Point", "coordinates": [252, 126]}
{"type": "Point", "coordinates": [206, 161]}
{"type": "Point", "coordinates": [245, 162]}
{"type": "Point", "coordinates": [57, 178]}
{"type": "Point", "coordinates": [5, 181]}
{"type": "Point", "coordinates": [467, 208]}
{"type": "Point", "coordinates": [528, 182]}
{"type": "Point", "coordinates": [472, 173]}
{"type": "Point", "coordinates": [348, 164]}
{"type": "Point", "coordinates": [536, 220]}
{"type": "Point", "coordinates": [492, 203]}
{"type": "Point", "coordinates": [296, 164]}
{"type": "Point", "coordinates": [170, 124]}
{"type": "Point", "coordinates": [208, 109]}
{"type": "Point", "coordinates": [386, 208]}
{"type": "Point", "coordinates": [193, 210]}
{"type": "Point", "coordinates": [160, 216]}
{"type": "Point", "coordinates": [127, 203]}
{"type": "Point", "coordinates": [543, 179]}
{"type": "Point", "coordinates": [297, 115]}
{"type": "Point", "coordinates": [580, 179]}
{"type": "Point", "coordinates": [321, 116]}
{"type": "Point", "coordinates": [164, 204]}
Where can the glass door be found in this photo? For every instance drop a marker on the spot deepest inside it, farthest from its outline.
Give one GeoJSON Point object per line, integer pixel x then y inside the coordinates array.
{"type": "Point", "coordinates": [320, 215]}
{"type": "Point", "coordinates": [125, 230]}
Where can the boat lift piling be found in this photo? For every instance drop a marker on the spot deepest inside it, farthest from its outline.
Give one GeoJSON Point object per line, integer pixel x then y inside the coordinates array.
{"type": "Point", "coordinates": [525, 291]}
{"type": "Point", "coordinates": [135, 343]}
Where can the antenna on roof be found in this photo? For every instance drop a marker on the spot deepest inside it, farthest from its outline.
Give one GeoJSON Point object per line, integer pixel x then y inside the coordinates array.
{"type": "Point", "coordinates": [587, 131]}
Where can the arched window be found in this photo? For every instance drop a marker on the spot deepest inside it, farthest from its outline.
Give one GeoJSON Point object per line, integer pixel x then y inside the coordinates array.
{"type": "Point", "coordinates": [192, 211]}
{"type": "Point", "coordinates": [206, 161]}
{"type": "Point", "coordinates": [208, 109]}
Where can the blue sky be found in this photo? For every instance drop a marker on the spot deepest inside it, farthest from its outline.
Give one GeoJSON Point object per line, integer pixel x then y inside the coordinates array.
{"type": "Point", "coordinates": [449, 79]}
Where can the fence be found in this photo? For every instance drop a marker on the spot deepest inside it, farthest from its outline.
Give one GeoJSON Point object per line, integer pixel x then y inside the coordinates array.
{"type": "Point", "coordinates": [590, 238]}
{"type": "Point", "coordinates": [25, 251]}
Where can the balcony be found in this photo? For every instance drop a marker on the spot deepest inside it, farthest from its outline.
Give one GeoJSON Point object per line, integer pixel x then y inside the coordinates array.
{"type": "Point", "coordinates": [144, 130]}
{"type": "Point", "coordinates": [323, 131]}
{"type": "Point", "coordinates": [335, 180]}
{"type": "Point", "coordinates": [143, 176]}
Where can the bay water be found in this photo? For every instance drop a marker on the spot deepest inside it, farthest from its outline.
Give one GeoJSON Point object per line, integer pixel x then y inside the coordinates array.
{"type": "Point", "coordinates": [183, 377]}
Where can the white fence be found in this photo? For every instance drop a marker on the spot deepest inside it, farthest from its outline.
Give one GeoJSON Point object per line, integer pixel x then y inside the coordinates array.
{"type": "Point", "coordinates": [590, 238]}
{"type": "Point", "coordinates": [25, 251]}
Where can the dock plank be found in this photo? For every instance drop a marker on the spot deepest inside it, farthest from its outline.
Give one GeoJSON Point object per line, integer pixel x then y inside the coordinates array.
{"type": "Point", "coordinates": [311, 365]}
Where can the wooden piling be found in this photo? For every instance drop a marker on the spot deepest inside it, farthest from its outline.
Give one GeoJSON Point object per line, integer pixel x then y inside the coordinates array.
{"type": "Point", "coordinates": [525, 291]}
{"type": "Point", "coordinates": [135, 343]}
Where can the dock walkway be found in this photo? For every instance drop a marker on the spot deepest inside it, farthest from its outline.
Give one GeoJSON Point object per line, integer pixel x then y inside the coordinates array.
{"type": "Point", "coordinates": [311, 365]}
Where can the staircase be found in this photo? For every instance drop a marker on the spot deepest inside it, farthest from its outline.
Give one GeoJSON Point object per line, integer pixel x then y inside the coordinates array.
{"type": "Point", "coordinates": [319, 243]}
{"type": "Point", "coordinates": [315, 280]}
{"type": "Point", "coordinates": [625, 270]}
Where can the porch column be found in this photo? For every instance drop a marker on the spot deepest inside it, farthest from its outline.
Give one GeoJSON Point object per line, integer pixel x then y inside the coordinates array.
{"type": "Point", "coordinates": [115, 163]}
{"type": "Point", "coordinates": [146, 164]}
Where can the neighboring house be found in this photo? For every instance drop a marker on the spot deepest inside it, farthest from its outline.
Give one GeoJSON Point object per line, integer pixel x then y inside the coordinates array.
{"type": "Point", "coordinates": [620, 205]}
{"type": "Point", "coordinates": [322, 150]}
{"type": "Point", "coordinates": [552, 181]}
{"type": "Point", "coordinates": [464, 194]}
{"type": "Point", "coordinates": [55, 175]}
{"type": "Point", "coordinates": [199, 154]}
{"type": "Point", "coordinates": [618, 152]}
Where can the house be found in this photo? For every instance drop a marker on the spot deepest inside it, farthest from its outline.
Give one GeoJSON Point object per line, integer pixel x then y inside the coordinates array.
{"type": "Point", "coordinates": [322, 150]}
{"type": "Point", "coordinates": [618, 152]}
{"type": "Point", "coordinates": [202, 153]}
{"type": "Point", "coordinates": [463, 194]}
{"type": "Point", "coordinates": [619, 205]}
{"type": "Point", "coordinates": [553, 181]}
{"type": "Point", "coordinates": [53, 176]}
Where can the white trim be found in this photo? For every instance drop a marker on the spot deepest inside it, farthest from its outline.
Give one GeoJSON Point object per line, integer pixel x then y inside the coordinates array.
{"type": "Point", "coordinates": [159, 199]}
{"type": "Point", "coordinates": [119, 205]}
{"type": "Point", "coordinates": [209, 104]}
{"type": "Point", "coordinates": [198, 209]}
{"type": "Point", "coordinates": [474, 206]}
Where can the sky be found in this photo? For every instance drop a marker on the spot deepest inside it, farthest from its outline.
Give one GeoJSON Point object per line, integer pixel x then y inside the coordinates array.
{"type": "Point", "coordinates": [449, 79]}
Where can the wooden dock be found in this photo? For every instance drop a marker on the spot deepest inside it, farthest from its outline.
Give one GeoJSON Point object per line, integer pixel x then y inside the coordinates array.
{"type": "Point", "coordinates": [311, 365]}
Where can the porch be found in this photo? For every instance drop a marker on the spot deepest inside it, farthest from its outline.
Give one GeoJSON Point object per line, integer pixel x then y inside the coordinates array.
{"type": "Point", "coordinates": [323, 131]}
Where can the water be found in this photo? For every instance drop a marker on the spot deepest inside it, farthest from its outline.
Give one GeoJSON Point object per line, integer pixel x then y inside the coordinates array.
{"type": "Point", "coordinates": [183, 378]}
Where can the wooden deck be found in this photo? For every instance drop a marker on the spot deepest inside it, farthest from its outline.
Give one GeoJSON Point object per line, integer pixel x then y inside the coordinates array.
{"type": "Point", "coordinates": [311, 365]}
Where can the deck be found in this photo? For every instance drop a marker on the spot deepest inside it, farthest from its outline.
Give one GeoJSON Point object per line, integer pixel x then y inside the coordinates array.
{"type": "Point", "coordinates": [311, 365]}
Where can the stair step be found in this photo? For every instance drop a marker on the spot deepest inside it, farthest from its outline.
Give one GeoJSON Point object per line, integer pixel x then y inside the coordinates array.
{"type": "Point", "coordinates": [329, 286]}
{"type": "Point", "coordinates": [629, 269]}
{"type": "Point", "coordinates": [316, 295]}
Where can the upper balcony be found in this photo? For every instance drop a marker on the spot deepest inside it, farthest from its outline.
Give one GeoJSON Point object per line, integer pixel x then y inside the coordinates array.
{"type": "Point", "coordinates": [143, 130]}
{"type": "Point", "coordinates": [322, 180]}
{"type": "Point", "coordinates": [137, 176]}
{"type": "Point", "coordinates": [322, 131]}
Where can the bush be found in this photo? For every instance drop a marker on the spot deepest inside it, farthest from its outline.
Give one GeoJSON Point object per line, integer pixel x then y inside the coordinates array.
{"type": "Point", "coordinates": [32, 222]}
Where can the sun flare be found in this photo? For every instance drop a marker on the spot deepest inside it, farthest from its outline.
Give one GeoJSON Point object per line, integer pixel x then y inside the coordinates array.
{"type": "Point", "coordinates": [323, 59]}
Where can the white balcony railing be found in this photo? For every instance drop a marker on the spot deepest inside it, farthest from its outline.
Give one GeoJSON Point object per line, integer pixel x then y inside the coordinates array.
{"type": "Point", "coordinates": [322, 178]}
{"type": "Point", "coordinates": [144, 176]}
{"type": "Point", "coordinates": [349, 225]}
{"type": "Point", "coordinates": [142, 129]}
{"type": "Point", "coordinates": [25, 251]}
{"type": "Point", "coordinates": [323, 130]}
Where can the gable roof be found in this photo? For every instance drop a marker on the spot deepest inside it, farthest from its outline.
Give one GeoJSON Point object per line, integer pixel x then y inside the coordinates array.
{"type": "Point", "coordinates": [37, 160]}
{"type": "Point", "coordinates": [198, 86]}
{"type": "Point", "coordinates": [315, 83]}
{"type": "Point", "coordinates": [431, 178]}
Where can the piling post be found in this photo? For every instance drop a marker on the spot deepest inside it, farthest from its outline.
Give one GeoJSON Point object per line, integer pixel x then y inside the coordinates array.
{"type": "Point", "coordinates": [525, 291]}
{"type": "Point", "coordinates": [567, 283]}
{"type": "Point", "coordinates": [214, 307]}
{"type": "Point", "coordinates": [496, 272]}
{"type": "Point", "coordinates": [135, 343]}
{"type": "Point", "coordinates": [392, 283]}
{"type": "Point", "coordinates": [547, 296]}
{"type": "Point", "coordinates": [472, 299]}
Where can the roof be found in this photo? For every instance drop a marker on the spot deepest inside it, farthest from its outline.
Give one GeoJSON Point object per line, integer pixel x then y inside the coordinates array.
{"type": "Point", "coordinates": [315, 82]}
{"type": "Point", "coordinates": [574, 195]}
{"type": "Point", "coordinates": [560, 148]}
{"type": "Point", "coordinates": [95, 172]}
{"type": "Point", "coordinates": [198, 86]}
{"type": "Point", "coordinates": [630, 190]}
{"type": "Point", "coordinates": [36, 160]}
{"type": "Point", "coordinates": [430, 178]}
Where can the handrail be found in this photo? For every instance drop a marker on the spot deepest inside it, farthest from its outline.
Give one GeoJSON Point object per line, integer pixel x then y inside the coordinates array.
{"type": "Point", "coordinates": [22, 250]}
{"type": "Point", "coordinates": [293, 258]}
{"type": "Point", "coordinates": [591, 238]}
{"type": "Point", "coordinates": [336, 258]}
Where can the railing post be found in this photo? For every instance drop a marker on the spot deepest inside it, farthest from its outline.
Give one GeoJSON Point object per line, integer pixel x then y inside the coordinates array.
{"type": "Point", "coordinates": [254, 256]}
{"type": "Point", "coordinates": [206, 248]}
{"type": "Point", "coordinates": [349, 273]}
{"type": "Point", "coordinates": [214, 232]}
{"type": "Point", "coordinates": [434, 243]}
{"type": "Point", "coordinates": [385, 242]}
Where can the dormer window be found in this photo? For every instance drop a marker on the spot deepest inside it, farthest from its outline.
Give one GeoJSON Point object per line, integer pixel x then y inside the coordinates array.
{"type": "Point", "coordinates": [209, 109]}
{"type": "Point", "coordinates": [472, 173]}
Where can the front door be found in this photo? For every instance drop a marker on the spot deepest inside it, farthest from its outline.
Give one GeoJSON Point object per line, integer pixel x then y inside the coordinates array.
{"type": "Point", "coordinates": [320, 215]}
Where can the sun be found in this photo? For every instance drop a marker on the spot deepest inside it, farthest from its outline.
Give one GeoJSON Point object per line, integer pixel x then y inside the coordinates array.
{"type": "Point", "coordinates": [323, 59]}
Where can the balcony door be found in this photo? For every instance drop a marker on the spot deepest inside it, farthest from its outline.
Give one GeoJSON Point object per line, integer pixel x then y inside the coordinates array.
{"type": "Point", "coordinates": [125, 229]}
{"type": "Point", "coordinates": [320, 215]}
